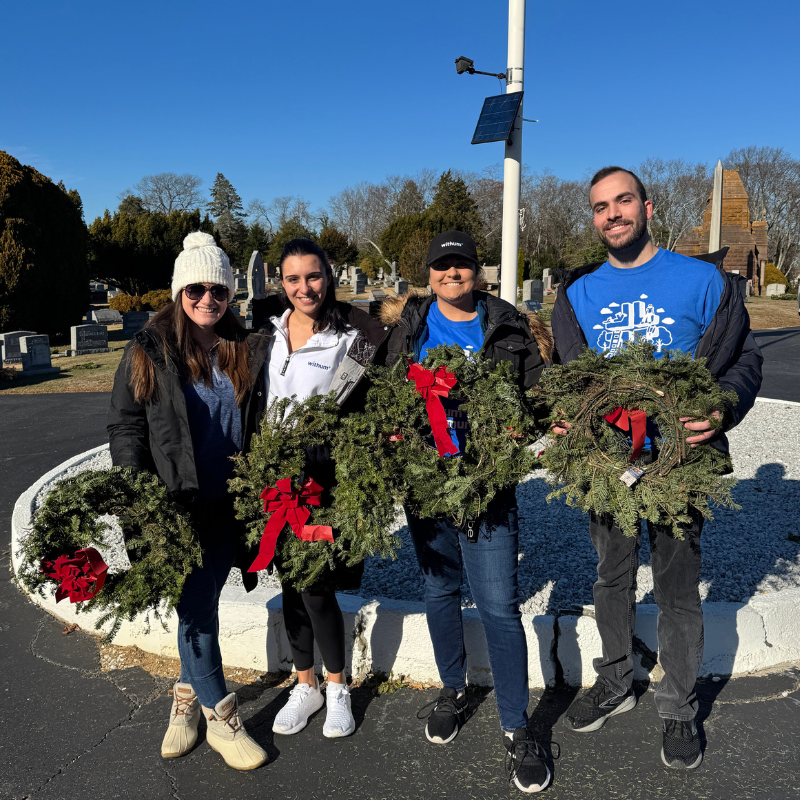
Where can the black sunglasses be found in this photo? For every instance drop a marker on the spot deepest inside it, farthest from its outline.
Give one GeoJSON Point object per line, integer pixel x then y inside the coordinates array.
{"type": "Point", "coordinates": [196, 291]}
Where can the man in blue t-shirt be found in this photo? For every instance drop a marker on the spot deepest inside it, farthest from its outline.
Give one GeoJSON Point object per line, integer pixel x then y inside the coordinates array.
{"type": "Point", "coordinates": [674, 302]}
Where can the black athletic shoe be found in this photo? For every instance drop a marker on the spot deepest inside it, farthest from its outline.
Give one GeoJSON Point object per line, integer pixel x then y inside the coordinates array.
{"type": "Point", "coordinates": [525, 762]}
{"type": "Point", "coordinates": [591, 710]}
{"type": "Point", "coordinates": [681, 748]}
{"type": "Point", "coordinates": [448, 714]}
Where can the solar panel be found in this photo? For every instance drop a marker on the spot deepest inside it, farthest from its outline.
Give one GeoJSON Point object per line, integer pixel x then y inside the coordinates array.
{"type": "Point", "coordinates": [497, 118]}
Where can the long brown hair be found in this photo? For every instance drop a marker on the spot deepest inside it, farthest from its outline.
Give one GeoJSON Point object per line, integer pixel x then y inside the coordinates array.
{"type": "Point", "coordinates": [171, 326]}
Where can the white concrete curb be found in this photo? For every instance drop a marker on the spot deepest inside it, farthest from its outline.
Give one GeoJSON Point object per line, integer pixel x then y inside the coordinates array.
{"type": "Point", "coordinates": [392, 636]}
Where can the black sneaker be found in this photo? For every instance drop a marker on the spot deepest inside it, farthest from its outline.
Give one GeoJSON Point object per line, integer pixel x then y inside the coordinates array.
{"type": "Point", "coordinates": [525, 762]}
{"type": "Point", "coordinates": [681, 748]}
{"type": "Point", "coordinates": [448, 714]}
{"type": "Point", "coordinates": [591, 710]}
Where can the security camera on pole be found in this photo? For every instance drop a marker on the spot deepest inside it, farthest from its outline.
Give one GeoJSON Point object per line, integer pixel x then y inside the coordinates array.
{"type": "Point", "coordinates": [501, 120]}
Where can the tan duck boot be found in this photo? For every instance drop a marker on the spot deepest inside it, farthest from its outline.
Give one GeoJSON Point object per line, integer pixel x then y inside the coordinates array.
{"type": "Point", "coordinates": [227, 736]}
{"type": "Point", "coordinates": [181, 735]}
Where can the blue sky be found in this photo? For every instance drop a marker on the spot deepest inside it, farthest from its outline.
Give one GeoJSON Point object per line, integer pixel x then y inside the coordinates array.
{"type": "Point", "coordinates": [305, 98]}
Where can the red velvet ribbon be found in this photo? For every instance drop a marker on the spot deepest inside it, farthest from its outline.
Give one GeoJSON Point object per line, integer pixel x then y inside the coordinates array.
{"type": "Point", "coordinates": [80, 577]}
{"type": "Point", "coordinates": [433, 386]}
{"type": "Point", "coordinates": [634, 419]}
{"type": "Point", "coordinates": [289, 506]}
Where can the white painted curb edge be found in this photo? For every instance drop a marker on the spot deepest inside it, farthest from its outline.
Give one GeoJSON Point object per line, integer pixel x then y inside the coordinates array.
{"type": "Point", "coordinates": [392, 636]}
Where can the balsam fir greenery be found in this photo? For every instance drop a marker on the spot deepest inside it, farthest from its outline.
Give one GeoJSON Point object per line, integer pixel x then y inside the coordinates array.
{"type": "Point", "coordinates": [591, 459]}
{"type": "Point", "coordinates": [159, 538]}
{"type": "Point", "coordinates": [358, 508]}
{"type": "Point", "coordinates": [497, 452]}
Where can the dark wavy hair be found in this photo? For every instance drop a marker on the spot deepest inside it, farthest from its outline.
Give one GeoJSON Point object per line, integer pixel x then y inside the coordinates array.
{"type": "Point", "coordinates": [606, 171]}
{"type": "Point", "coordinates": [329, 314]}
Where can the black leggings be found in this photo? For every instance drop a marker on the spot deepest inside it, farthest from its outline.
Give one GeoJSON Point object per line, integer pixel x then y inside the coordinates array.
{"type": "Point", "coordinates": [311, 616]}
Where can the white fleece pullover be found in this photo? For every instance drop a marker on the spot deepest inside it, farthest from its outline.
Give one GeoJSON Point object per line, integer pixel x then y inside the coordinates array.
{"type": "Point", "coordinates": [309, 370]}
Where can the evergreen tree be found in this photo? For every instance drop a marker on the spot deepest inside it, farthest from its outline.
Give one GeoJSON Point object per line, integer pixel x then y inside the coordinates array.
{"type": "Point", "coordinates": [225, 207]}
{"type": "Point", "coordinates": [337, 246]}
{"type": "Point", "coordinates": [293, 229]}
{"type": "Point", "coordinates": [410, 200]}
{"type": "Point", "coordinates": [258, 238]}
{"type": "Point", "coordinates": [454, 207]}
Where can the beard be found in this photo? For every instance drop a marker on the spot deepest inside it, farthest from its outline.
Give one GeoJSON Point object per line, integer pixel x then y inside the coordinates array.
{"type": "Point", "coordinates": [637, 230]}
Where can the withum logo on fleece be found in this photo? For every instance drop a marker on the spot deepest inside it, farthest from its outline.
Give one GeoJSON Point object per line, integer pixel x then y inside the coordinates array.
{"type": "Point", "coordinates": [318, 366]}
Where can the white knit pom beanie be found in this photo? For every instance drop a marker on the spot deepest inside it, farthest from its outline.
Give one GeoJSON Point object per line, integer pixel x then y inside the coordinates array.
{"type": "Point", "coordinates": [201, 261]}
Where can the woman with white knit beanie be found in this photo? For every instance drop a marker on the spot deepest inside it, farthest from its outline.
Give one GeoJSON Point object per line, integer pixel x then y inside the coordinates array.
{"type": "Point", "coordinates": [178, 408]}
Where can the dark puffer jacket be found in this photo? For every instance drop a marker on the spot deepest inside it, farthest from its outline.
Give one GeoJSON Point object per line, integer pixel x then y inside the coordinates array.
{"type": "Point", "coordinates": [522, 340]}
{"type": "Point", "coordinates": [155, 436]}
{"type": "Point", "coordinates": [731, 353]}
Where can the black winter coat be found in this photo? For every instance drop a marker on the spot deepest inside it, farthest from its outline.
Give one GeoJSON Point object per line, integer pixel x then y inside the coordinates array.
{"type": "Point", "coordinates": [509, 335]}
{"type": "Point", "coordinates": [731, 353]}
{"type": "Point", "coordinates": [155, 436]}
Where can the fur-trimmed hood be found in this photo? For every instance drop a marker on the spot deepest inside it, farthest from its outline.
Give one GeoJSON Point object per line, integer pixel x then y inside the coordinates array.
{"type": "Point", "coordinates": [393, 308]}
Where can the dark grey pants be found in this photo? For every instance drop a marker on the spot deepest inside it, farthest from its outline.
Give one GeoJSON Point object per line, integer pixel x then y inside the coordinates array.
{"type": "Point", "coordinates": [676, 579]}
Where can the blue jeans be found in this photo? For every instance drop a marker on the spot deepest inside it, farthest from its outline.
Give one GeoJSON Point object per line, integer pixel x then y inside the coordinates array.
{"type": "Point", "coordinates": [491, 564]}
{"type": "Point", "coordinates": [198, 611]}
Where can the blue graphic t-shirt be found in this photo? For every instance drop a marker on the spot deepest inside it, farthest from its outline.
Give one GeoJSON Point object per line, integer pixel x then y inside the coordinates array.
{"type": "Point", "coordinates": [670, 301]}
{"type": "Point", "coordinates": [467, 334]}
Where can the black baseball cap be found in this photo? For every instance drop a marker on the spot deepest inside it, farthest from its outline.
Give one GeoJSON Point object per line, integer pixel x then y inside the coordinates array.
{"type": "Point", "coordinates": [452, 243]}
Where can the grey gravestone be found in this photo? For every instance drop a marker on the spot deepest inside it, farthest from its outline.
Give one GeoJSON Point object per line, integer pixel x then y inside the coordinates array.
{"type": "Point", "coordinates": [113, 293]}
{"type": "Point", "coordinates": [134, 321]}
{"type": "Point", "coordinates": [360, 284]}
{"type": "Point", "coordinates": [106, 316]}
{"type": "Point", "coordinates": [86, 339]}
{"type": "Point", "coordinates": [400, 287]}
{"type": "Point", "coordinates": [35, 353]}
{"type": "Point", "coordinates": [531, 305]}
{"type": "Point", "coordinates": [271, 271]}
{"type": "Point", "coordinates": [749, 288]}
{"type": "Point", "coordinates": [377, 294]}
{"type": "Point", "coordinates": [335, 281]}
{"type": "Point", "coordinates": [239, 283]}
{"type": "Point", "coordinates": [533, 290]}
{"type": "Point", "coordinates": [256, 279]}
{"type": "Point", "coordinates": [10, 342]}
{"type": "Point", "coordinates": [547, 278]}
{"type": "Point", "coordinates": [775, 290]}
{"type": "Point", "coordinates": [391, 279]}
{"type": "Point", "coordinates": [491, 275]}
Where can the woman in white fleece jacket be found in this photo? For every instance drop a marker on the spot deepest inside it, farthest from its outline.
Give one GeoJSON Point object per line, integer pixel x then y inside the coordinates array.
{"type": "Point", "coordinates": [318, 346]}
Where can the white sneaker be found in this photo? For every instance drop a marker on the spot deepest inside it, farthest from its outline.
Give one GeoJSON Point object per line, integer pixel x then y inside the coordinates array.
{"type": "Point", "coordinates": [303, 701]}
{"type": "Point", "coordinates": [339, 718]}
{"type": "Point", "coordinates": [226, 734]}
{"type": "Point", "coordinates": [181, 735]}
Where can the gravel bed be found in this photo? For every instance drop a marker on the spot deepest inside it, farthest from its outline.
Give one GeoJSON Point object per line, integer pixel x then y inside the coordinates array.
{"type": "Point", "coordinates": [747, 552]}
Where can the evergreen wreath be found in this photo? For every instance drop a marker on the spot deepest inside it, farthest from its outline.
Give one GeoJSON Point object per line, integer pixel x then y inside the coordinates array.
{"type": "Point", "coordinates": [274, 483]}
{"type": "Point", "coordinates": [159, 538]}
{"type": "Point", "coordinates": [494, 453]}
{"type": "Point", "coordinates": [599, 466]}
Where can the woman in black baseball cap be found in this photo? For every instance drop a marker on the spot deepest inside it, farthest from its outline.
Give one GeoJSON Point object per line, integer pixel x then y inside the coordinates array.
{"type": "Point", "coordinates": [457, 313]}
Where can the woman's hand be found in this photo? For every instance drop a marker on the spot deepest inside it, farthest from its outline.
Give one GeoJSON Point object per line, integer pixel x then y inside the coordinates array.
{"type": "Point", "coordinates": [703, 425]}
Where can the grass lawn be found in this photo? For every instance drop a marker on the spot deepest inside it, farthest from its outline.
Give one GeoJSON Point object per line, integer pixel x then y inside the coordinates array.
{"type": "Point", "coordinates": [95, 373]}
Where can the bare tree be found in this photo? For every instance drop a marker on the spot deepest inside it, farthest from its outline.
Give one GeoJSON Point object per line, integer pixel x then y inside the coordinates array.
{"type": "Point", "coordinates": [361, 211]}
{"type": "Point", "coordinates": [258, 212]}
{"type": "Point", "coordinates": [771, 178]}
{"type": "Point", "coordinates": [167, 192]}
{"type": "Point", "coordinates": [282, 209]}
{"type": "Point", "coordinates": [679, 192]}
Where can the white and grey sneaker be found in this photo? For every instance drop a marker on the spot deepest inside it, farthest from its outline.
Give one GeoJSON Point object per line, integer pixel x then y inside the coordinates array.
{"type": "Point", "coordinates": [304, 700]}
{"type": "Point", "coordinates": [339, 718]}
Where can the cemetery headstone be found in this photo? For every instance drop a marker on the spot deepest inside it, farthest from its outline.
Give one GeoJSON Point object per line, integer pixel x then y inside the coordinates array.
{"type": "Point", "coordinates": [533, 290]}
{"type": "Point", "coordinates": [239, 283]}
{"type": "Point", "coordinates": [775, 290]}
{"type": "Point", "coordinates": [360, 283]}
{"type": "Point", "coordinates": [271, 271]}
{"type": "Point", "coordinates": [10, 340]}
{"type": "Point", "coordinates": [492, 276]}
{"type": "Point", "coordinates": [547, 279]}
{"type": "Point", "coordinates": [531, 305]}
{"type": "Point", "coordinates": [134, 321]}
{"type": "Point", "coordinates": [86, 339]}
{"type": "Point", "coordinates": [400, 287]}
{"type": "Point", "coordinates": [256, 278]}
{"type": "Point", "coordinates": [377, 294]}
{"type": "Point", "coordinates": [35, 354]}
{"type": "Point", "coordinates": [107, 316]}
{"type": "Point", "coordinates": [392, 279]}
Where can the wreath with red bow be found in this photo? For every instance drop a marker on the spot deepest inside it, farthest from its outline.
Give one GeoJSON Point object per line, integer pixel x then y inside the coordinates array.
{"type": "Point", "coordinates": [62, 550]}
{"type": "Point", "coordinates": [307, 508]}
{"type": "Point", "coordinates": [449, 433]}
{"type": "Point", "coordinates": [625, 453]}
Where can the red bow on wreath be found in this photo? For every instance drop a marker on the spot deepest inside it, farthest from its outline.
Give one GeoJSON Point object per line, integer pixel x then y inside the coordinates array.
{"type": "Point", "coordinates": [289, 505]}
{"type": "Point", "coordinates": [80, 577]}
{"type": "Point", "coordinates": [635, 419]}
{"type": "Point", "coordinates": [432, 386]}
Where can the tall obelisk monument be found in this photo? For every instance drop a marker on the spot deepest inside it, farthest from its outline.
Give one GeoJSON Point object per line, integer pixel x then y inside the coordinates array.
{"type": "Point", "coordinates": [715, 237]}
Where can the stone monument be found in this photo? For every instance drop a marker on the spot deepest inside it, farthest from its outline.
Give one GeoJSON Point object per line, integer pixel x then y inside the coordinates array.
{"type": "Point", "coordinates": [10, 341]}
{"type": "Point", "coordinates": [86, 339]}
{"type": "Point", "coordinates": [107, 316]}
{"type": "Point", "coordinates": [134, 321]}
{"type": "Point", "coordinates": [533, 290]}
{"type": "Point", "coordinates": [35, 355]}
{"type": "Point", "coordinates": [492, 276]}
{"type": "Point", "coordinates": [360, 283]}
{"type": "Point", "coordinates": [775, 290]}
{"type": "Point", "coordinates": [400, 287]}
{"type": "Point", "coordinates": [256, 278]}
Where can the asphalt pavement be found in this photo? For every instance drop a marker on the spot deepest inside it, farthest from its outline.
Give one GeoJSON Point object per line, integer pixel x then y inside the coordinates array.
{"type": "Point", "coordinates": [781, 349]}
{"type": "Point", "coordinates": [70, 730]}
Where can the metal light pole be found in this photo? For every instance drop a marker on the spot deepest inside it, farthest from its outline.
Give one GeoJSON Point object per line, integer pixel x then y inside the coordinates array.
{"type": "Point", "coordinates": [512, 166]}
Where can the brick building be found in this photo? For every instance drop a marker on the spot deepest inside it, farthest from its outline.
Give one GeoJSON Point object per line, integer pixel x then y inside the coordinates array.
{"type": "Point", "coordinates": [747, 240]}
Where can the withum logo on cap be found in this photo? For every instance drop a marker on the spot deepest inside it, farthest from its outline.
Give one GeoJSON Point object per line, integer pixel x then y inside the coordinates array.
{"type": "Point", "coordinates": [452, 244]}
